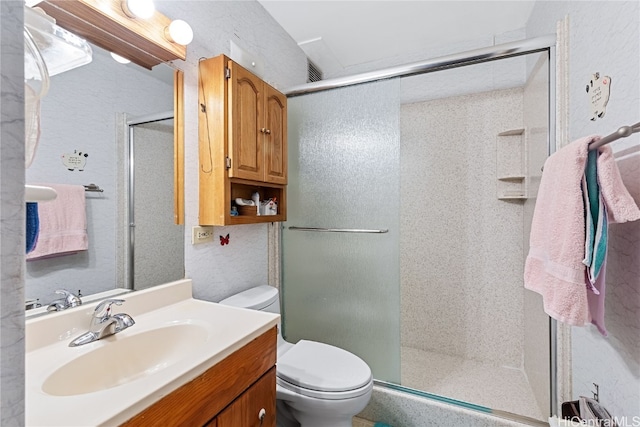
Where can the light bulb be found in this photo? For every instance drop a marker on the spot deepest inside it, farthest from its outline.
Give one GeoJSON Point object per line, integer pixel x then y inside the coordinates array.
{"type": "Point", "coordinates": [143, 9]}
{"type": "Point", "coordinates": [179, 32]}
{"type": "Point", "coordinates": [119, 58]}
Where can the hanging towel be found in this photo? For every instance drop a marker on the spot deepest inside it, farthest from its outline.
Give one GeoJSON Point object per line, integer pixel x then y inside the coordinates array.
{"type": "Point", "coordinates": [63, 223]}
{"type": "Point", "coordinates": [33, 226]}
{"type": "Point", "coordinates": [554, 266]}
{"type": "Point", "coordinates": [619, 204]}
{"type": "Point", "coordinates": [596, 226]}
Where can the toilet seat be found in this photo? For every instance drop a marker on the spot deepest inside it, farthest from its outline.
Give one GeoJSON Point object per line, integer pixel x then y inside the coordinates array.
{"type": "Point", "coordinates": [323, 395]}
{"type": "Point", "coordinates": [323, 371]}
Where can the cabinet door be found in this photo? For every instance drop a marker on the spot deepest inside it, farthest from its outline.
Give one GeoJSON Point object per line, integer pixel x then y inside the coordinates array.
{"type": "Point", "coordinates": [245, 124]}
{"type": "Point", "coordinates": [275, 142]}
{"type": "Point", "coordinates": [245, 411]}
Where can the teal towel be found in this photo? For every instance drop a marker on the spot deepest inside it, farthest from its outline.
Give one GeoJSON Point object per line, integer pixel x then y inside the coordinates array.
{"type": "Point", "coordinates": [33, 226]}
{"type": "Point", "coordinates": [595, 221]}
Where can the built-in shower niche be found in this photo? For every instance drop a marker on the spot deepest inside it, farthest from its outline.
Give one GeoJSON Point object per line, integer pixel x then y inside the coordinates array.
{"type": "Point", "coordinates": [511, 163]}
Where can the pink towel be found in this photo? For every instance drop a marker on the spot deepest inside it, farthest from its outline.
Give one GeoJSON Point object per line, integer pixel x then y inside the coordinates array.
{"type": "Point", "coordinates": [63, 223]}
{"type": "Point", "coordinates": [554, 265]}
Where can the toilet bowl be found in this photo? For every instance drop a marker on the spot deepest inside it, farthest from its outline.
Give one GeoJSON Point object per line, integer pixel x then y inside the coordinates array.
{"type": "Point", "coordinates": [317, 385]}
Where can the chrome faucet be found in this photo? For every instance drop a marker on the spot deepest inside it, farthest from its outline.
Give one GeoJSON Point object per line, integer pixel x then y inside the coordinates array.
{"type": "Point", "coordinates": [103, 323]}
{"type": "Point", "coordinates": [67, 301]}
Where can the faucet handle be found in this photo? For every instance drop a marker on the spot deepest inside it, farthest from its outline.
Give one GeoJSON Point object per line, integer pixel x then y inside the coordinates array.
{"type": "Point", "coordinates": [103, 309]}
{"type": "Point", "coordinates": [70, 299]}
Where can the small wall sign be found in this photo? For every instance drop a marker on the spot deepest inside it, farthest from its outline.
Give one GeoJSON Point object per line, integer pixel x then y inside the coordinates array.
{"type": "Point", "coordinates": [598, 90]}
{"type": "Point", "coordinates": [76, 160]}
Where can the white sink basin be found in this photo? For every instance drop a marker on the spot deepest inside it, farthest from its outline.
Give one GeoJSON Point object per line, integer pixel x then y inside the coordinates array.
{"type": "Point", "coordinates": [125, 360]}
{"type": "Point", "coordinates": [175, 339]}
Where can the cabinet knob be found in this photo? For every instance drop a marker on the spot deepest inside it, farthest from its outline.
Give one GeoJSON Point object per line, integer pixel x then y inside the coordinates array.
{"type": "Point", "coordinates": [261, 415]}
{"type": "Point", "coordinates": [267, 131]}
{"type": "Point", "coordinates": [263, 130]}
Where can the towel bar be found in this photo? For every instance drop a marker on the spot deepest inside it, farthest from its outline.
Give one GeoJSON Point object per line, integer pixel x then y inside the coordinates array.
{"type": "Point", "coordinates": [93, 187]}
{"type": "Point", "coordinates": [338, 230]}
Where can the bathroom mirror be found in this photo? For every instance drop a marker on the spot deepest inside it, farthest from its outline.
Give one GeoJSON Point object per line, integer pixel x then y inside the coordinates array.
{"type": "Point", "coordinates": [89, 113]}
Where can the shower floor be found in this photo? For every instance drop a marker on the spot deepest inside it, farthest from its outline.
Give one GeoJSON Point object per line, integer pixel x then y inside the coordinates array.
{"type": "Point", "coordinates": [472, 381]}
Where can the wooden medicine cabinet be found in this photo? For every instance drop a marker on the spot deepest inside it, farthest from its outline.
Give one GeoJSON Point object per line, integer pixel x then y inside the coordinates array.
{"type": "Point", "coordinates": [242, 128]}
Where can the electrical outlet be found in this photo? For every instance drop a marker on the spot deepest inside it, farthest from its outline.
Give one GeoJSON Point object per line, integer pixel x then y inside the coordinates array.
{"type": "Point", "coordinates": [201, 234]}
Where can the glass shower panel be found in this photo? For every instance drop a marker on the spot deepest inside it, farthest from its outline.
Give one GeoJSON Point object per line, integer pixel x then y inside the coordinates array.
{"type": "Point", "coordinates": [342, 287]}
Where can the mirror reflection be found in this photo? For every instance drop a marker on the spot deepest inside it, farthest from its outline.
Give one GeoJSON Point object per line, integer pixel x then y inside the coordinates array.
{"type": "Point", "coordinates": [85, 123]}
{"type": "Point", "coordinates": [155, 242]}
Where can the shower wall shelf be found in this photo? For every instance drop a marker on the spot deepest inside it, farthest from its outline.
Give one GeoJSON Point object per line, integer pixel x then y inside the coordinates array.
{"type": "Point", "coordinates": [511, 151]}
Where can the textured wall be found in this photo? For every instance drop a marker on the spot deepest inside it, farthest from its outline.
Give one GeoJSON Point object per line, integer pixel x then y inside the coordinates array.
{"type": "Point", "coordinates": [12, 241]}
{"type": "Point", "coordinates": [614, 362]}
{"type": "Point", "coordinates": [604, 37]}
{"type": "Point", "coordinates": [461, 247]}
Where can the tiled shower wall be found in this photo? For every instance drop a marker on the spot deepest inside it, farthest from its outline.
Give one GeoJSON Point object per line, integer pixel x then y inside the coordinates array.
{"type": "Point", "coordinates": [461, 247]}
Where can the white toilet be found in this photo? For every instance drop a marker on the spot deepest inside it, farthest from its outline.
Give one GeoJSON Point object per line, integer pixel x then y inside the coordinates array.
{"type": "Point", "coordinates": [317, 385]}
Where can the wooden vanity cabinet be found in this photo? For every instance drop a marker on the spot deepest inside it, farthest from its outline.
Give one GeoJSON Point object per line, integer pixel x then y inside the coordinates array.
{"type": "Point", "coordinates": [253, 407]}
{"type": "Point", "coordinates": [231, 393]}
{"type": "Point", "coordinates": [242, 128]}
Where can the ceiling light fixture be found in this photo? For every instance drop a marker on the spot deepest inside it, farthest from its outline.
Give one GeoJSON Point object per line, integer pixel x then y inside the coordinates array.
{"type": "Point", "coordinates": [179, 32]}
{"type": "Point", "coordinates": [143, 9]}
{"type": "Point", "coordinates": [119, 58]}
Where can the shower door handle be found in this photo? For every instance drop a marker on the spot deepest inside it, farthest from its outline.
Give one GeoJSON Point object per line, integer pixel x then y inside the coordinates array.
{"type": "Point", "coordinates": [339, 230]}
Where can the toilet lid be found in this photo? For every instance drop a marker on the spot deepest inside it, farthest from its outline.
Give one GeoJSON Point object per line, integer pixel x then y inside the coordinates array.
{"type": "Point", "coordinates": [255, 298]}
{"type": "Point", "coordinates": [322, 367]}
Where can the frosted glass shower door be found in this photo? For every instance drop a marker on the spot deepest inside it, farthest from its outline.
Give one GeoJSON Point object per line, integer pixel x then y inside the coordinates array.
{"type": "Point", "coordinates": [342, 287]}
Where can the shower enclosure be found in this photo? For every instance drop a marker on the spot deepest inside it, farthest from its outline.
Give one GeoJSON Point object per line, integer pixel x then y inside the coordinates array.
{"type": "Point", "coordinates": [410, 200]}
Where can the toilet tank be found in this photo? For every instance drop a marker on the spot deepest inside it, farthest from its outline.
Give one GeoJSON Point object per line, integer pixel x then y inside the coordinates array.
{"type": "Point", "coordinates": [262, 298]}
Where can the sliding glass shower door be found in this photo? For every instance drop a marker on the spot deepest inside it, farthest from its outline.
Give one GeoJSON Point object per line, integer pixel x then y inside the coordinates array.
{"type": "Point", "coordinates": [341, 242]}
{"type": "Point", "coordinates": [448, 162]}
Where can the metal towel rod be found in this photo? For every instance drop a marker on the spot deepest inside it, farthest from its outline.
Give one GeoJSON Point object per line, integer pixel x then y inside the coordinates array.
{"type": "Point", "coordinates": [93, 187]}
{"type": "Point", "coordinates": [338, 230]}
{"type": "Point", "coordinates": [622, 132]}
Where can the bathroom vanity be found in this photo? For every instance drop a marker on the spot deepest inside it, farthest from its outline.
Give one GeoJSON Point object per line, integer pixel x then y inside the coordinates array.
{"type": "Point", "coordinates": [238, 391]}
{"type": "Point", "coordinates": [183, 362]}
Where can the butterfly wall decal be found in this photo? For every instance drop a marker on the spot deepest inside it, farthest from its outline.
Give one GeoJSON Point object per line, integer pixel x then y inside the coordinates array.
{"type": "Point", "coordinates": [224, 240]}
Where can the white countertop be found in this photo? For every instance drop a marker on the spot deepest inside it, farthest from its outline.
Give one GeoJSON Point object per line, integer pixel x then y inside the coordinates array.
{"type": "Point", "coordinates": [221, 331]}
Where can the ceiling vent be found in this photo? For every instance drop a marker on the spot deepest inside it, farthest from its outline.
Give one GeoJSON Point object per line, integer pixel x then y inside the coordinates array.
{"type": "Point", "coordinates": [313, 72]}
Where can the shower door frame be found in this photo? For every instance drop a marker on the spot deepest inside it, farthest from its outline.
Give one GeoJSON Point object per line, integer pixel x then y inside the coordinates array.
{"type": "Point", "coordinates": [477, 56]}
{"type": "Point", "coordinates": [129, 247]}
